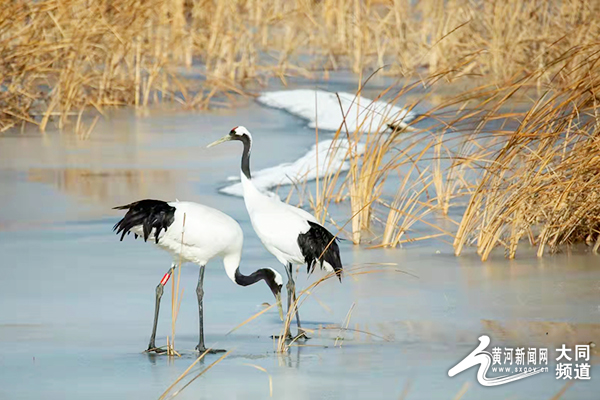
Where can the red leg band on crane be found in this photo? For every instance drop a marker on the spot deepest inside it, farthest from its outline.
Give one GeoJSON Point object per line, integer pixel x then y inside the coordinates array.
{"type": "Point", "coordinates": [165, 279]}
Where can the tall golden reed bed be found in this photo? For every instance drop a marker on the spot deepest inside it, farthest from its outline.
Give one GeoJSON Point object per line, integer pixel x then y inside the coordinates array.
{"type": "Point", "coordinates": [59, 56]}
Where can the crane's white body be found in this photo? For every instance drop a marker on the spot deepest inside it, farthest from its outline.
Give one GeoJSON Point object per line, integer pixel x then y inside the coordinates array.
{"type": "Point", "coordinates": [291, 234]}
{"type": "Point", "coordinates": [207, 233]}
{"type": "Point", "coordinates": [277, 224]}
{"type": "Point", "coordinates": [195, 233]}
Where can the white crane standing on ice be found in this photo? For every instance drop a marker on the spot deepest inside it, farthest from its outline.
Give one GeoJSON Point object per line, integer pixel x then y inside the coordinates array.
{"type": "Point", "coordinates": [291, 234]}
{"type": "Point", "coordinates": [208, 233]}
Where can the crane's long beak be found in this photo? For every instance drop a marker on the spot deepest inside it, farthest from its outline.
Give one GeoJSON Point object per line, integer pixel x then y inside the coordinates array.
{"type": "Point", "coordinates": [279, 307]}
{"type": "Point", "coordinates": [223, 139]}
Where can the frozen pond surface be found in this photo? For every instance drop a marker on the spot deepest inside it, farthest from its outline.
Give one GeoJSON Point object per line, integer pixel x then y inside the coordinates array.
{"type": "Point", "coordinates": [76, 305]}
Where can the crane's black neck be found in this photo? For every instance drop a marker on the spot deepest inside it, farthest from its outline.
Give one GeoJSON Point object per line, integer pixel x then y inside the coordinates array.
{"type": "Point", "coordinates": [245, 139]}
{"type": "Point", "coordinates": [261, 274]}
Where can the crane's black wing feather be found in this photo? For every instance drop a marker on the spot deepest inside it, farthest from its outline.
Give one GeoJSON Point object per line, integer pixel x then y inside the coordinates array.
{"type": "Point", "coordinates": [150, 214]}
{"type": "Point", "coordinates": [319, 245]}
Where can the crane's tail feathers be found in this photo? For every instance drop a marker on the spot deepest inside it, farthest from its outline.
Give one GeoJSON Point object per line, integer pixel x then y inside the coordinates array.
{"type": "Point", "coordinates": [318, 245]}
{"type": "Point", "coordinates": [149, 214]}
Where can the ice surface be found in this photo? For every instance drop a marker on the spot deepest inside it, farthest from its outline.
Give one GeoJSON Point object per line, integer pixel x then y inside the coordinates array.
{"type": "Point", "coordinates": [77, 305]}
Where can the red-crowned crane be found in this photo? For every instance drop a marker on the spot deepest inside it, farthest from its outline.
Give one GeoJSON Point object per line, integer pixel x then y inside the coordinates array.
{"type": "Point", "coordinates": [207, 233]}
{"type": "Point", "coordinates": [291, 234]}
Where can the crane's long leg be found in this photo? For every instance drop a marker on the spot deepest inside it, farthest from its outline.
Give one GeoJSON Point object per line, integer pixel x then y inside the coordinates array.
{"type": "Point", "coordinates": [291, 287]}
{"type": "Point", "coordinates": [159, 292]}
{"type": "Point", "coordinates": [200, 293]}
{"type": "Point", "coordinates": [300, 330]}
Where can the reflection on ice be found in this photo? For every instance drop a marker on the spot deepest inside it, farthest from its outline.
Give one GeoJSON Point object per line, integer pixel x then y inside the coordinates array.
{"type": "Point", "coordinates": [105, 185]}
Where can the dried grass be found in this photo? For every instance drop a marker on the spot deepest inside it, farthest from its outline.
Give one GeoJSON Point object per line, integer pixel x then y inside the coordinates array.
{"type": "Point", "coordinates": [523, 164]}
{"type": "Point", "coordinates": [544, 182]}
{"type": "Point", "coordinates": [176, 296]}
{"type": "Point", "coordinates": [186, 373]}
{"type": "Point", "coordinates": [283, 345]}
{"type": "Point", "coordinates": [58, 57]}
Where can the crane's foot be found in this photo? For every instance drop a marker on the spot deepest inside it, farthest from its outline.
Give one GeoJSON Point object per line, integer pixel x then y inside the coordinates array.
{"type": "Point", "coordinates": [288, 337]}
{"type": "Point", "coordinates": [202, 349]}
{"type": "Point", "coordinates": [301, 335]}
{"type": "Point", "coordinates": [154, 349]}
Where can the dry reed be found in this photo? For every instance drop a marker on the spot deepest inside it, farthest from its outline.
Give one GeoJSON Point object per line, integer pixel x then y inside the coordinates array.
{"type": "Point", "coordinates": [176, 297]}
{"type": "Point", "coordinates": [283, 344]}
{"type": "Point", "coordinates": [187, 371]}
{"type": "Point", "coordinates": [544, 182]}
{"type": "Point", "coordinates": [58, 57]}
{"type": "Point", "coordinates": [523, 163]}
